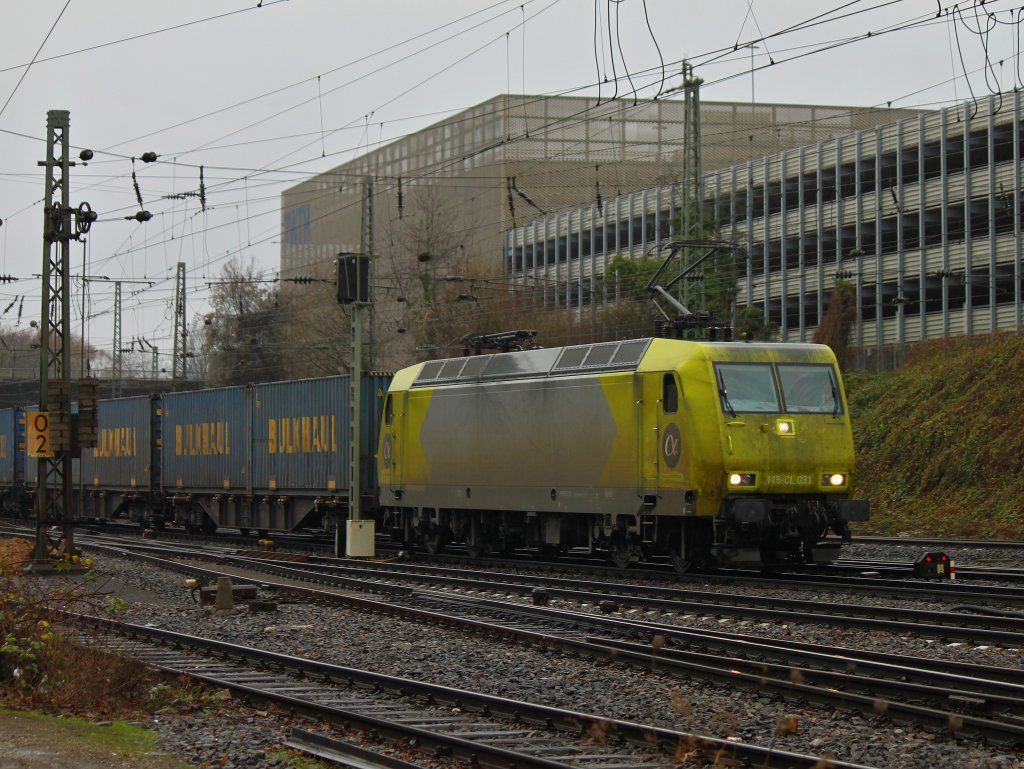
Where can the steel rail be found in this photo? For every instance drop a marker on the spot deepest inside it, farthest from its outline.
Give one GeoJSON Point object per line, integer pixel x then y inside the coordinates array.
{"type": "Point", "coordinates": [939, 542]}
{"type": "Point", "coordinates": [462, 738]}
{"type": "Point", "coordinates": [978, 630]}
{"type": "Point", "coordinates": [425, 606]}
{"type": "Point", "coordinates": [1000, 630]}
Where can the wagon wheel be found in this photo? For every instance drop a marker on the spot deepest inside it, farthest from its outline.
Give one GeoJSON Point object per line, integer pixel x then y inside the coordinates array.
{"type": "Point", "coordinates": [618, 550]}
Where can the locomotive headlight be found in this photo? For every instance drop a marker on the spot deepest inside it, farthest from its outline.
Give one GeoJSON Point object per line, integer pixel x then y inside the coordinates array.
{"type": "Point", "coordinates": [833, 479]}
{"type": "Point", "coordinates": [742, 479]}
{"type": "Point", "coordinates": [785, 427]}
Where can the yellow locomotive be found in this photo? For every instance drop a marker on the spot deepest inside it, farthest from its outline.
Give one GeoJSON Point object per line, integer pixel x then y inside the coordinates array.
{"type": "Point", "coordinates": [704, 452]}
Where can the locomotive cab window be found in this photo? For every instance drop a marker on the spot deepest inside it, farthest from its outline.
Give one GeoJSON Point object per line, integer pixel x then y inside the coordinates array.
{"type": "Point", "coordinates": [746, 387]}
{"type": "Point", "coordinates": [810, 388]}
{"type": "Point", "coordinates": [389, 410]}
{"type": "Point", "coordinates": [669, 395]}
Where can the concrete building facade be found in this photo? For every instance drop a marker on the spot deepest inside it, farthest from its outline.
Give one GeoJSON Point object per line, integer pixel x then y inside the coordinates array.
{"type": "Point", "coordinates": [447, 199]}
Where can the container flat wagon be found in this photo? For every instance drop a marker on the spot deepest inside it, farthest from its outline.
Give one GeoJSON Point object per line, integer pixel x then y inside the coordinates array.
{"type": "Point", "coordinates": [120, 475]}
{"type": "Point", "coordinates": [268, 456]}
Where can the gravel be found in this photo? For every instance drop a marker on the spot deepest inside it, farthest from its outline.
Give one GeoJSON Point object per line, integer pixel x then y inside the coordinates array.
{"type": "Point", "coordinates": [388, 645]}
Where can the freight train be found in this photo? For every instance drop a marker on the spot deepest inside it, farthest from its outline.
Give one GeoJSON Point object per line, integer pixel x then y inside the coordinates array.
{"type": "Point", "coordinates": [703, 453]}
{"type": "Point", "coordinates": [257, 457]}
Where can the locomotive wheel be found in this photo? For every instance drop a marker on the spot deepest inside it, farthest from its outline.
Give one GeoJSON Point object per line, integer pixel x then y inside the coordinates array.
{"type": "Point", "coordinates": [477, 538]}
{"type": "Point", "coordinates": [618, 550]}
{"type": "Point", "coordinates": [477, 548]}
{"type": "Point", "coordinates": [680, 563]}
{"type": "Point", "coordinates": [435, 540]}
{"type": "Point", "coordinates": [550, 552]}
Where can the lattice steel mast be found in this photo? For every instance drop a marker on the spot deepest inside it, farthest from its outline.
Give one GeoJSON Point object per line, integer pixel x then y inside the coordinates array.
{"type": "Point", "coordinates": [178, 370]}
{"type": "Point", "coordinates": [55, 433]}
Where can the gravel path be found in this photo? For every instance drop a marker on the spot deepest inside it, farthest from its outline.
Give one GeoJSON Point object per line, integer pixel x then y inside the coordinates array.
{"type": "Point", "coordinates": [388, 645]}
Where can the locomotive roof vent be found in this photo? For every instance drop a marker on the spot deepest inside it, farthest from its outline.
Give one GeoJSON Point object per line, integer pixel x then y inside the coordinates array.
{"type": "Point", "coordinates": [557, 361]}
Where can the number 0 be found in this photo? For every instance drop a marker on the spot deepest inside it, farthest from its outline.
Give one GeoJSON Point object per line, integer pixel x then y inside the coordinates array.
{"type": "Point", "coordinates": [39, 435]}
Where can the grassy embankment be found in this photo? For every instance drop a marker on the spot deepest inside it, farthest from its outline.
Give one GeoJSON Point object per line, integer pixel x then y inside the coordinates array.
{"type": "Point", "coordinates": [940, 441]}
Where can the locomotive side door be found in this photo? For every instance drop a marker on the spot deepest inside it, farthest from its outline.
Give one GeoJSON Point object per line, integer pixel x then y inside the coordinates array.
{"type": "Point", "coordinates": [390, 464]}
{"type": "Point", "coordinates": [660, 443]}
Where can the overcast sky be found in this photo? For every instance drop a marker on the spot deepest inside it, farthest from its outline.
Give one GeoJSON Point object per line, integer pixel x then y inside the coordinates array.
{"type": "Point", "coordinates": [264, 94]}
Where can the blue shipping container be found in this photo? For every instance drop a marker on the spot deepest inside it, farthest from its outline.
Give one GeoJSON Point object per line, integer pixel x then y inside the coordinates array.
{"type": "Point", "coordinates": [8, 447]}
{"type": "Point", "coordinates": [206, 439]}
{"type": "Point", "coordinates": [300, 435]}
{"type": "Point", "coordinates": [121, 459]}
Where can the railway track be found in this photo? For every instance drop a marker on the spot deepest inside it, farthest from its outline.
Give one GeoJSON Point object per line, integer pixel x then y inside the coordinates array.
{"type": "Point", "coordinates": [862, 576]}
{"type": "Point", "coordinates": [940, 543]}
{"type": "Point", "coordinates": [995, 612]}
{"type": "Point", "coordinates": [854, 573]}
{"type": "Point", "coordinates": [439, 721]}
{"type": "Point", "coordinates": [847, 571]}
{"type": "Point", "coordinates": [975, 622]}
{"type": "Point", "coordinates": [965, 699]}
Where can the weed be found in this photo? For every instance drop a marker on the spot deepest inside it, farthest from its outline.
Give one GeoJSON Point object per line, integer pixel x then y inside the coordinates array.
{"type": "Point", "coordinates": [41, 663]}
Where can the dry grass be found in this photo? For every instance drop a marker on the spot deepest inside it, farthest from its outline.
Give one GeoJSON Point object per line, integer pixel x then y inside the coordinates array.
{"type": "Point", "coordinates": [42, 667]}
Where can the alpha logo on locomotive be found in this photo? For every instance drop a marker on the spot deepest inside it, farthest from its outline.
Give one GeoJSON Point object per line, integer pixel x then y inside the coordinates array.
{"type": "Point", "coordinates": [201, 439]}
{"type": "Point", "coordinates": [302, 435]}
{"type": "Point", "coordinates": [671, 445]}
{"type": "Point", "coordinates": [116, 442]}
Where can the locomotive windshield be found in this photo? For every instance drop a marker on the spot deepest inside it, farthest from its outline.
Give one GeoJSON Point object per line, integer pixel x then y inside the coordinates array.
{"type": "Point", "coordinates": [805, 388]}
{"type": "Point", "coordinates": [747, 387]}
{"type": "Point", "coordinates": [810, 389]}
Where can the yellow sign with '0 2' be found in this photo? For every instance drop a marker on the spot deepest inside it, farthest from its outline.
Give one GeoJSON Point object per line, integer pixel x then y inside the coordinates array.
{"type": "Point", "coordinates": [38, 434]}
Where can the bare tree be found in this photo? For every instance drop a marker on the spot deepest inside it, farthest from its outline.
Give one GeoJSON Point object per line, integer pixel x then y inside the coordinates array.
{"type": "Point", "coordinates": [241, 338]}
{"type": "Point", "coordinates": [318, 330]}
{"type": "Point", "coordinates": [19, 354]}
